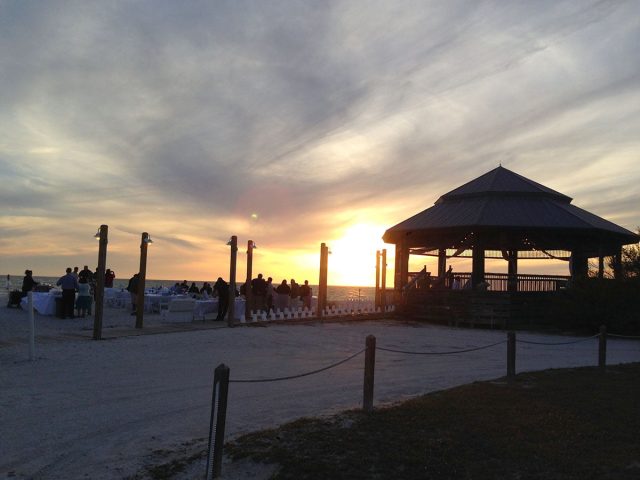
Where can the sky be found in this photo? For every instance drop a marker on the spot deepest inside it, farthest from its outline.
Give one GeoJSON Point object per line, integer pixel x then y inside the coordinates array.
{"type": "Point", "coordinates": [297, 123]}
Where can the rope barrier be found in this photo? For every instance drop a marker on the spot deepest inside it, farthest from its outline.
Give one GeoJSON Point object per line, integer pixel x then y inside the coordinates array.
{"type": "Point", "coordinates": [529, 342]}
{"type": "Point", "coordinates": [622, 336]}
{"type": "Point", "coordinates": [277, 379]}
{"type": "Point", "coordinates": [440, 353]}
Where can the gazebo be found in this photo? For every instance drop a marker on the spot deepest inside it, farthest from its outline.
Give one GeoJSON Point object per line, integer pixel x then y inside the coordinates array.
{"type": "Point", "coordinates": [504, 215]}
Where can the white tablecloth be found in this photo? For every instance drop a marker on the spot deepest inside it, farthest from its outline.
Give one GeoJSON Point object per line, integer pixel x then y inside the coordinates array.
{"type": "Point", "coordinates": [211, 306]}
{"type": "Point", "coordinates": [43, 302]}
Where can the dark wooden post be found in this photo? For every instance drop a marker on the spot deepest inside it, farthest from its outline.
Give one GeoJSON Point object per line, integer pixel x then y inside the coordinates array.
{"type": "Point", "coordinates": [602, 348]}
{"type": "Point", "coordinates": [216, 432]}
{"type": "Point", "coordinates": [142, 278]}
{"type": "Point", "coordinates": [477, 273]}
{"type": "Point", "coordinates": [600, 266]}
{"type": "Point", "coordinates": [99, 294]}
{"type": "Point", "coordinates": [383, 285]}
{"type": "Point", "coordinates": [512, 278]}
{"type": "Point", "coordinates": [442, 263]}
{"type": "Point", "coordinates": [617, 264]}
{"type": "Point", "coordinates": [248, 305]}
{"type": "Point", "coordinates": [319, 307]}
{"type": "Point", "coordinates": [511, 356]}
{"type": "Point", "coordinates": [369, 373]}
{"type": "Point", "coordinates": [579, 265]}
{"type": "Point", "coordinates": [404, 263]}
{"type": "Point", "coordinates": [377, 300]}
{"type": "Point", "coordinates": [232, 281]}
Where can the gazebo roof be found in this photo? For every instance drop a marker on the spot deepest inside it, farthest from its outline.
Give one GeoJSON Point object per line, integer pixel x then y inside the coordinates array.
{"type": "Point", "coordinates": [509, 211]}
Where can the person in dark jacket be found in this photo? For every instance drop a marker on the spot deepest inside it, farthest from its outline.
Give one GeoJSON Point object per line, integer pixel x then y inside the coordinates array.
{"type": "Point", "coordinates": [222, 290]}
{"type": "Point", "coordinates": [69, 284]}
{"type": "Point", "coordinates": [28, 283]}
{"type": "Point", "coordinates": [132, 288]}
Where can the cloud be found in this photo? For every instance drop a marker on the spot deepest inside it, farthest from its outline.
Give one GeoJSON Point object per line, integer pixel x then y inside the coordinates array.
{"type": "Point", "coordinates": [184, 120]}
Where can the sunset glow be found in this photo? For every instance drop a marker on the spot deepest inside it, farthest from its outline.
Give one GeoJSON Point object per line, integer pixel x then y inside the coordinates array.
{"type": "Point", "coordinates": [201, 121]}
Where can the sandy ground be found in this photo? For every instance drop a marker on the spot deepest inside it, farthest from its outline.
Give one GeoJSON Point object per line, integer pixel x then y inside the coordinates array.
{"type": "Point", "coordinates": [107, 409]}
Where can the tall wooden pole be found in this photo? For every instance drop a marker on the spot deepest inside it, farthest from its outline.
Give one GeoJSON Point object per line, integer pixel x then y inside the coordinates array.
{"type": "Point", "coordinates": [322, 287]}
{"type": "Point", "coordinates": [248, 305]}
{"type": "Point", "coordinates": [383, 287]}
{"type": "Point", "coordinates": [142, 276]}
{"type": "Point", "coordinates": [232, 281]}
{"type": "Point", "coordinates": [99, 294]}
{"type": "Point", "coordinates": [377, 301]}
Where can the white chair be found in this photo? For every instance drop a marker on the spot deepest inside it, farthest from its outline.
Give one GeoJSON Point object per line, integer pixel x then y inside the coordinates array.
{"type": "Point", "coordinates": [179, 310]}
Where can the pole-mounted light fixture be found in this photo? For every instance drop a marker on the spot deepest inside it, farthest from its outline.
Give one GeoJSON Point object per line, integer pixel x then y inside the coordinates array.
{"type": "Point", "coordinates": [97, 235]}
{"type": "Point", "coordinates": [148, 239]}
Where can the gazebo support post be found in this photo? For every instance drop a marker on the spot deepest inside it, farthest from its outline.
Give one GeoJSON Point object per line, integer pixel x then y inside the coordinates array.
{"type": "Point", "coordinates": [617, 264]}
{"type": "Point", "coordinates": [579, 266]}
{"type": "Point", "coordinates": [512, 281]}
{"type": "Point", "coordinates": [477, 272]}
{"type": "Point", "coordinates": [600, 266]}
{"type": "Point", "coordinates": [442, 263]}
{"type": "Point", "coordinates": [383, 280]}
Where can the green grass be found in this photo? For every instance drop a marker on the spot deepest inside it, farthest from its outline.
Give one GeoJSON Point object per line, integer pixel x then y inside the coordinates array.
{"type": "Point", "coordinates": [557, 424]}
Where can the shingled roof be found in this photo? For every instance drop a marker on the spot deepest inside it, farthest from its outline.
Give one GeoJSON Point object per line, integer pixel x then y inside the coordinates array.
{"type": "Point", "coordinates": [510, 211]}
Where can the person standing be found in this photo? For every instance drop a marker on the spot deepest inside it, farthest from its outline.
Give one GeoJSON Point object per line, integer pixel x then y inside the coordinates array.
{"type": "Point", "coordinates": [109, 276]}
{"type": "Point", "coordinates": [28, 283]}
{"type": "Point", "coordinates": [282, 300]}
{"type": "Point", "coordinates": [305, 294]}
{"type": "Point", "coordinates": [132, 288]}
{"type": "Point", "coordinates": [83, 303]}
{"type": "Point", "coordinates": [222, 289]}
{"type": "Point", "coordinates": [69, 284]}
{"type": "Point", "coordinates": [259, 292]}
{"type": "Point", "coordinates": [268, 299]}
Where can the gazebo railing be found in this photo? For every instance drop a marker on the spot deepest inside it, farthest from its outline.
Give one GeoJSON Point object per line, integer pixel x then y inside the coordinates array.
{"type": "Point", "coordinates": [498, 282]}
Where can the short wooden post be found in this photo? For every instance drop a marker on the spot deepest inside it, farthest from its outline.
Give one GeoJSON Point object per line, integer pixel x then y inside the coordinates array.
{"type": "Point", "coordinates": [511, 356]}
{"type": "Point", "coordinates": [99, 293]}
{"type": "Point", "coordinates": [602, 348]}
{"type": "Point", "coordinates": [216, 431]}
{"type": "Point", "coordinates": [232, 281]}
{"type": "Point", "coordinates": [369, 373]}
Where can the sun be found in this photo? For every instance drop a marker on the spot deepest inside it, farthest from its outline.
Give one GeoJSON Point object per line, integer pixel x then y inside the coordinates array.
{"type": "Point", "coordinates": [353, 256]}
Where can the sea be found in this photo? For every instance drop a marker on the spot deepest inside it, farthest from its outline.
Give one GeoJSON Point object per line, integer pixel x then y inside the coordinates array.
{"type": "Point", "coordinates": [335, 293]}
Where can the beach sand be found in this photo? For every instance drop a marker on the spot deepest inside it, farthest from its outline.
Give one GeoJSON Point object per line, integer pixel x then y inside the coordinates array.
{"type": "Point", "coordinates": [111, 409]}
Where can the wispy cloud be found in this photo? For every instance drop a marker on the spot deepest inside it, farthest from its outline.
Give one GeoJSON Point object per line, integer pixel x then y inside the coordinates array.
{"type": "Point", "coordinates": [195, 121]}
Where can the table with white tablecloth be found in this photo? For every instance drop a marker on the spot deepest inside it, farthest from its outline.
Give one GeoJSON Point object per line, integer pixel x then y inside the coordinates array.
{"type": "Point", "coordinates": [117, 297]}
{"type": "Point", "coordinates": [204, 307]}
{"type": "Point", "coordinates": [43, 302]}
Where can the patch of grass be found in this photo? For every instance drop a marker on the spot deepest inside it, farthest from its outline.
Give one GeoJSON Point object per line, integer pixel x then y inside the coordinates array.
{"type": "Point", "coordinates": [557, 424]}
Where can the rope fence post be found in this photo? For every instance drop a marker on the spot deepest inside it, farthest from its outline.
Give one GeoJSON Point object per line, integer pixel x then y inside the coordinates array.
{"type": "Point", "coordinates": [511, 356]}
{"type": "Point", "coordinates": [369, 370]}
{"type": "Point", "coordinates": [216, 431]}
{"type": "Point", "coordinates": [602, 348]}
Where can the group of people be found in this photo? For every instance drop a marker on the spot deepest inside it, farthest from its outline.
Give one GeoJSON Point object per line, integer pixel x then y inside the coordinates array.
{"type": "Point", "coordinates": [265, 296]}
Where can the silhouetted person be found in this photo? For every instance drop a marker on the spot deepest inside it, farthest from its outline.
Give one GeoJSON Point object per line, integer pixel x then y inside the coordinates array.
{"type": "Point", "coordinates": [305, 294]}
{"type": "Point", "coordinates": [28, 283]}
{"type": "Point", "coordinates": [69, 285]}
{"type": "Point", "coordinates": [222, 289]}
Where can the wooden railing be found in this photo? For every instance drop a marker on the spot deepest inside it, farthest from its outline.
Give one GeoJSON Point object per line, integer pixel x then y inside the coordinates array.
{"type": "Point", "coordinates": [498, 282]}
